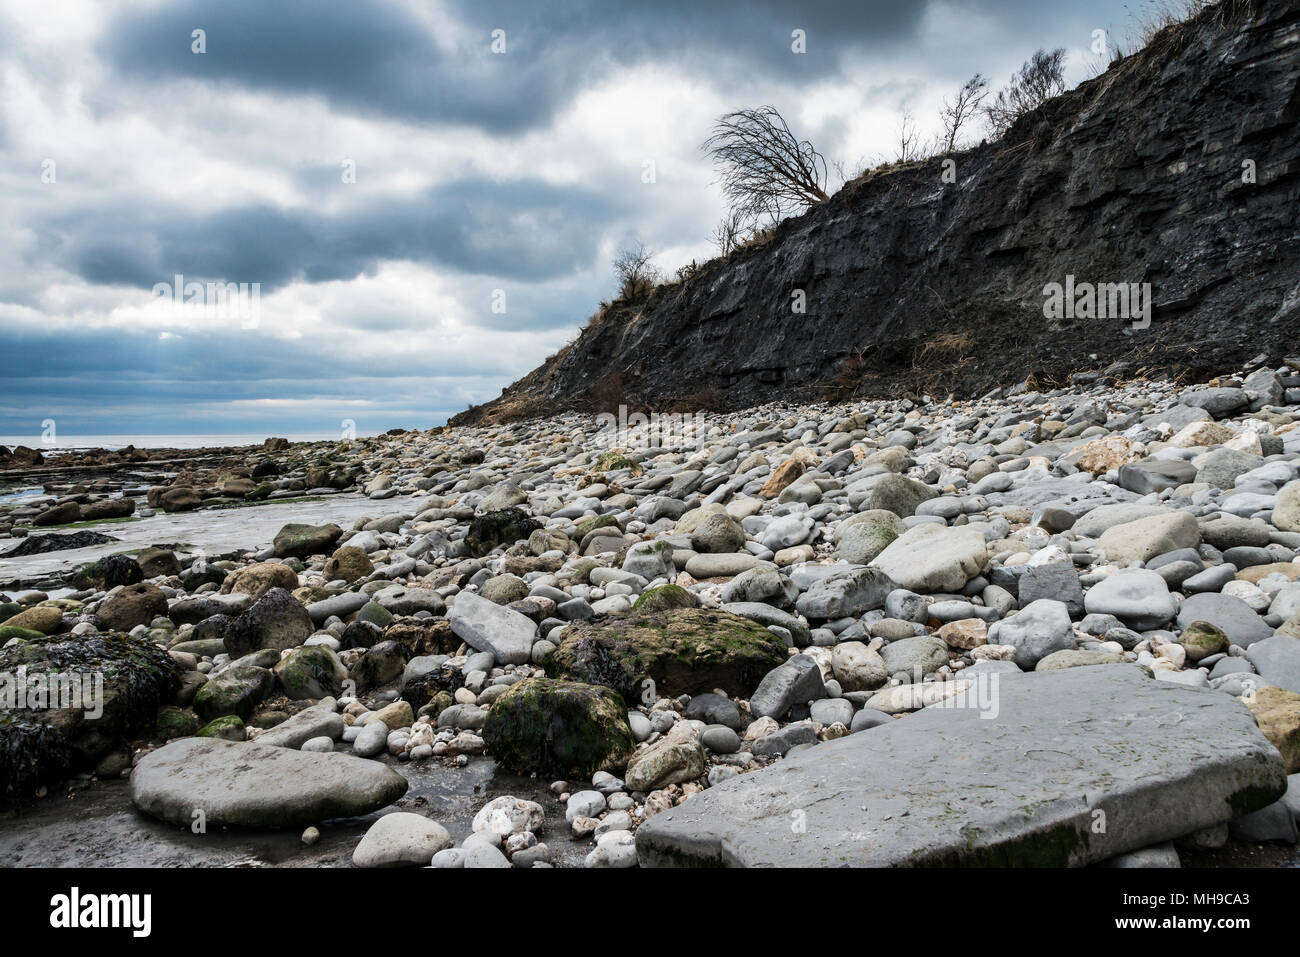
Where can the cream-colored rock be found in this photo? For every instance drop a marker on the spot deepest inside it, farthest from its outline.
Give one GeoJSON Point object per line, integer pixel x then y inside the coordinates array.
{"type": "Point", "coordinates": [1148, 537]}
{"type": "Point", "coordinates": [1197, 434]}
{"type": "Point", "coordinates": [965, 634]}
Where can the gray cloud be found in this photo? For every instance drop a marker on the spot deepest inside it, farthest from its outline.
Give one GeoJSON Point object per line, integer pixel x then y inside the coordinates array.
{"type": "Point", "coordinates": [525, 231]}
{"type": "Point", "coordinates": [366, 57]}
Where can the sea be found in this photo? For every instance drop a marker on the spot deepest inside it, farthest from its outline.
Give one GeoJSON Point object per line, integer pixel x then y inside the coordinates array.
{"type": "Point", "coordinates": [72, 443]}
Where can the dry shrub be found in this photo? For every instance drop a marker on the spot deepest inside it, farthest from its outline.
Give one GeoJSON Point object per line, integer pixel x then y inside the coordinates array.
{"type": "Point", "coordinates": [945, 344]}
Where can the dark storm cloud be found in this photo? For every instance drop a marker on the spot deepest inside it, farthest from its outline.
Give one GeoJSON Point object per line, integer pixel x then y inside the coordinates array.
{"type": "Point", "coordinates": [376, 56]}
{"type": "Point", "coordinates": [524, 231]}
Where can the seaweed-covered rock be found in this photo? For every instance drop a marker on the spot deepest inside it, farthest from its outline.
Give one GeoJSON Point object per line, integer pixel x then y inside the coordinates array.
{"type": "Point", "coordinates": [419, 689]}
{"type": "Point", "coordinates": [423, 636]}
{"type": "Point", "coordinates": [44, 738]}
{"type": "Point", "coordinates": [614, 460]}
{"type": "Point", "coordinates": [683, 651]}
{"type": "Point", "coordinates": [502, 527]}
{"type": "Point", "coordinates": [109, 573]}
{"type": "Point", "coordinates": [561, 728]}
{"type": "Point", "coordinates": [380, 665]}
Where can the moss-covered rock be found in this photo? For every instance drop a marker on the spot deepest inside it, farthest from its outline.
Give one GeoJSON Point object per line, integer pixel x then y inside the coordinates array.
{"type": "Point", "coordinates": [502, 527]}
{"type": "Point", "coordinates": [173, 722]}
{"type": "Point", "coordinates": [236, 690]}
{"type": "Point", "coordinates": [683, 651]}
{"type": "Point", "coordinates": [8, 632]}
{"type": "Point", "coordinates": [1201, 639]}
{"type": "Point", "coordinates": [41, 744]}
{"type": "Point", "coordinates": [561, 728]}
{"type": "Point", "coordinates": [665, 598]}
{"type": "Point", "coordinates": [612, 461]}
{"type": "Point", "coordinates": [262, 491]}
{"type": "Point", "coordinates": [312, 671]}
{"type": "Point", "coordinates": [588, 525]}
{"type": "Point", "coordinates": [228, 727]}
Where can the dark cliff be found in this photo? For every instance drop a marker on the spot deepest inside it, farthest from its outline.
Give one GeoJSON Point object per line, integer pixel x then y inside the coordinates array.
{"type": "Point", "coordinates": [911, 283]}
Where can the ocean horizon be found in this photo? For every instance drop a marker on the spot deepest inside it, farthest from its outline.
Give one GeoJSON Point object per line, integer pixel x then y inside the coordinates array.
{"type": "Point", "coordinates": [190, 440]}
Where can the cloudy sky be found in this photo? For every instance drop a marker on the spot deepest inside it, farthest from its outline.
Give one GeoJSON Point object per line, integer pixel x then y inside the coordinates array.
{"type": "Point", "coordinates": [430, 206]}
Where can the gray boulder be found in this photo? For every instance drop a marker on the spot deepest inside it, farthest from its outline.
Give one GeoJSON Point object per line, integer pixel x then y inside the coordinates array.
{"type": "Point", "coordinates": [1037, 630]}
{"type": "Point", "coordinates": [252, 785]}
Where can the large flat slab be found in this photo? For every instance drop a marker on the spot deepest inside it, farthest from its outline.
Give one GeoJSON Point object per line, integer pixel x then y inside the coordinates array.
{"type": "Point", "coordinates": [945, 786]}
{"type": "Point", "coordinates": [246, 784]}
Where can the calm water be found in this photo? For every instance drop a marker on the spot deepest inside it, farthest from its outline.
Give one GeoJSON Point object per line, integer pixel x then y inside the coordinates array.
{"type": "Point", "coordinates": [65, 443]}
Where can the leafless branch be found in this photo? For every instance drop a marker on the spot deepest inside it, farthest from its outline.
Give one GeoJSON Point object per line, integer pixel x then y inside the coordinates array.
{"type": "Point", "coordinates": [957, 115]}
{"type": "Point", "coordinates": [765, 171]}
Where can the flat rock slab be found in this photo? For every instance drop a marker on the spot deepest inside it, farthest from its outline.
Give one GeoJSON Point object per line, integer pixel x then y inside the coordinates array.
{"type": "Point", "coordinates": [946, 786]}
{"type": "Point", "coordinates": [246, 784]}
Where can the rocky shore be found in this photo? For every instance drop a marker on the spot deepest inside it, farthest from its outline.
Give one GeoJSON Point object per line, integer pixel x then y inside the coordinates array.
{"type": "Point", "coordinates": [1035, 628]}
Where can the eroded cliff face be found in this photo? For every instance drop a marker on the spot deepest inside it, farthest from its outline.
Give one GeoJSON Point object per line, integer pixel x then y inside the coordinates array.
{"type": "Point", "coordinates": [1178, 167]}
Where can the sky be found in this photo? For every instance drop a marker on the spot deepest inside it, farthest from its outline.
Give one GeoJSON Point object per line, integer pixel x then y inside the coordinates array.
{"type": "Point", "coordinates": [421, 200]}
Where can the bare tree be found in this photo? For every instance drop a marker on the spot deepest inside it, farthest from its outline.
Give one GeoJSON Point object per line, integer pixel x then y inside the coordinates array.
{"type": "Point", "coordinates": [765, 171]}
{"type": "Point", "coordinates": [958, 114]}
{"type": "Point", "coordinates": [1040, 78]}
{"type": "Point", "coordinates": [729, 233]}
{"type": "Point", "coordinates": [907, 138]}
{"type": "Point", "coordinates": [635, 273]}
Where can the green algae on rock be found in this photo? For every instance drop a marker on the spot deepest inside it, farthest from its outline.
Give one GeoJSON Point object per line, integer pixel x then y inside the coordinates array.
{"type": "Point", "coordinates": [552, 726]}
{"type": "Point", "coordinates": [681, 650]}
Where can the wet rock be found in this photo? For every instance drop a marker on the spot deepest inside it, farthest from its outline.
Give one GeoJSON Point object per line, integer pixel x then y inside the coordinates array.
{"type": "Point", "coordinates": [252, 785]}
{"type": "Point", "coordinates": [543, 725]}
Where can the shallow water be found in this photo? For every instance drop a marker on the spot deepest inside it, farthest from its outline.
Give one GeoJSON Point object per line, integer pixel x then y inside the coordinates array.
{"type": "Point", "coordinates": [97, 826]}
{"type": "Point", "coordinates": [216, 530]}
